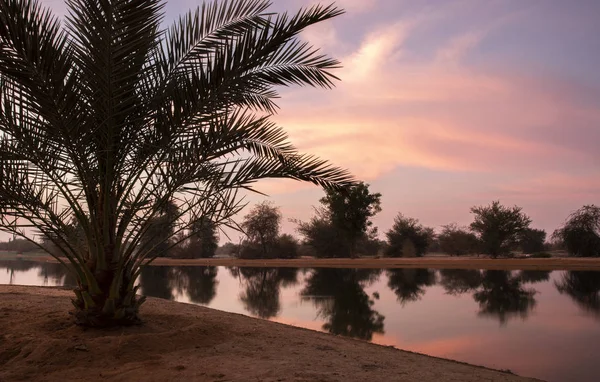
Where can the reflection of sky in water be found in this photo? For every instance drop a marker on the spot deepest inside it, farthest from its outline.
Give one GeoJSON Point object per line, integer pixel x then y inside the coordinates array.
{"type": "Point", "coordinates": [554, 338]}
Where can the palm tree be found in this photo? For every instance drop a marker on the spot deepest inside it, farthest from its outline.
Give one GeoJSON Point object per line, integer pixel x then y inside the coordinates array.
{"type": "Point", "coordinates": [107, 120]}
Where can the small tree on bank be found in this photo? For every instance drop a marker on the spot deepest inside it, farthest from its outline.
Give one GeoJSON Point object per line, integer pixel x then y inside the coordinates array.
{"type": "Point", "coordinates": [457, 241]}
{"type": "Point", "coordinates": [408, 238]}
{"type": "Point", "coordinates": [342, 225]}
{"type": "Point", "coordinates": [262, 226]}
{"type": "Point", "coordinates": [580, 234]}
{"type": "Point", "coordinates": [109, 119]}
{"type": "Point", "coordinates": [532, 240]}
{"type": "Point", "coordinates": [350, 212]}
{"type": "Point", "coordinates": [499, 228]}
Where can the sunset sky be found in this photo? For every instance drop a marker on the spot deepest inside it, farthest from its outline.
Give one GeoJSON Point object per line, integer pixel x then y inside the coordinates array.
{"type": "Point", "coordinates": [446, 104]}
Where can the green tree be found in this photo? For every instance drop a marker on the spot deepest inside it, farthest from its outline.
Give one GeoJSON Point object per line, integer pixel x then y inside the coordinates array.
{"type": "Point", "coordinates": [457, 241]}
{"type": "Point", "coordinates": [499, 228]}
{"type": "Point", "coordinates": [262, 226]}
{"type": "Point", "coordinates": [580, 234]}
{"type": "Point", "coordinates": [108, 119]}
{"type": "Point", "coordinates": [408, 238]}
{"type": "Point", "coordinates": [350, 211]}
{"type": "Point", "coordinates": [532, 240]}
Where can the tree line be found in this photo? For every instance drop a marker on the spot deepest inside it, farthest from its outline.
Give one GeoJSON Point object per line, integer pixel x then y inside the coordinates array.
{"type": "Point", "coordinates": [342, 227]}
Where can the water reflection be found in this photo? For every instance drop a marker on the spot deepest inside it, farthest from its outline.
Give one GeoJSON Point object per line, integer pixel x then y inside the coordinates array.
{"type": "Point", "coordinates": [583, 288]}
{"type": "Point", "coordinates": [438, 312]}
{"type": "Point", "coordinates": [503, 296]}
{"type": "Point", "coordinates": [341, 301]}
{"type": "Point", "coordinates": [460, 281]}
{"type": "Point", "coordinates": [409, 283]}
{"type": "Point", "coordinates": [261, 294]}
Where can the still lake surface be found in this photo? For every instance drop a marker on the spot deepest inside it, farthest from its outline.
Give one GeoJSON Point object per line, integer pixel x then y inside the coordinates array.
{"type": "Point", "coordinates": [535, 323]}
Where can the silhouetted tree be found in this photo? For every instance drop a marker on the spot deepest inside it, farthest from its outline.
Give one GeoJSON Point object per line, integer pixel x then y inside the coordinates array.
{"type": "Point", "coordinates": [532, 240]}
{"type": "Point", "coordinates": [202, 244]}
{"type": "Point", "coordinates": [408, 238]}
{"type": "Point", "coordinates": [584, 288]}
{"type": "Point", "coordinates": [261, 225]}
{"type": "Point", "coordinates": [459, 281]}
{"type": "Point", "coordinates": [350, 211]}
{"type": "Point", "coordinates": [286, 247]}
{"type": "Point", "coordinates": [341, 300]}
{"type": "Point", "coordinates": [409, 283]}
{"type": "Point", "coordinates": [499, 227]}
{"type": "Point", "coordinates": [160, 229]}
{"type": "Point", "coordinates": [325, 240]}
{"type": "Point", "coordinates": [107, 119]}
{"type": "Point", "coordinates": [457, 241]}
{"type": "Point", "coordinates": [580, 234]}
{"type": "Point", "coordinates": [502, 295]}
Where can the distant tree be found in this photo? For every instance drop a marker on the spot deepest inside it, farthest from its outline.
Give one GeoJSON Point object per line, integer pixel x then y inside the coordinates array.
{"type": "Point", "coordinates": [322, 237]}
{"type": "Point", "coordinates": [156, 239]}
{"type": "Point", "coordinates": [204, 240]}
{"type": "Point", "coordinates": [457, 241]}
{"type": "Point", "coordinates": [499, 227]}
{"type": "Point", "coordinates": [18, 245]}
{"type": "Point", "coordinates": [532, 240]}
{"type": "Point", "coordinates": [408, 238]}
{"type": "Point", "coordinates": [286, 247]}
{"type": "Point", "coordinates": [350, 212]}
{"type": "Point", "coordinates": [580, 234]}
{"type": "Point", "coordinates": [262, 227]}
{"type": "Point", "coordinates": [228, 249]}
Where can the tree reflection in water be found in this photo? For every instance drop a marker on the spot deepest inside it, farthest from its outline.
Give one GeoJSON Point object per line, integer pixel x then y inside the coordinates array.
{"type": "Point", "coordinates": [459, 281]}
{"type": "Point", "coordinates": [262, 288]}
{"type": "Point", "coordinates": [341, 300]}
{"type": "Point", "coordinates": [409, 283]}
{"type": "Point", "coordinates": [584, 288]}
{"type": "Point", "coordinates": [502, 296]}
{"type": "Point", "coordinates": [199, 283]}
{"type": "Point", "coordinates": [57, 274]}
{"type": "Point", "coordinates": [155, 282]}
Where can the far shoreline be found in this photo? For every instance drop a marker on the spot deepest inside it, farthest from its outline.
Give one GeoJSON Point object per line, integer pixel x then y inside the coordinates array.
{"type": "Point", "coordinates": [543, 264]}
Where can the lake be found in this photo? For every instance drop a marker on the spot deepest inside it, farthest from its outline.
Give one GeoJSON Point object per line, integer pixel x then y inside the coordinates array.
{"type": "Point", "coordinates": [534, 323]}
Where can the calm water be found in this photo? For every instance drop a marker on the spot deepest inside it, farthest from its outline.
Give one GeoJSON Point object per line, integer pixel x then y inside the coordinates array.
{"type": "Point", "coordinates": [539, 324]}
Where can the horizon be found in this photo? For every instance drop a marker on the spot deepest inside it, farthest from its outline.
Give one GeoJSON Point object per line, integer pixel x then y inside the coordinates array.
{"type": "Point", "coordinates": [462, 101]}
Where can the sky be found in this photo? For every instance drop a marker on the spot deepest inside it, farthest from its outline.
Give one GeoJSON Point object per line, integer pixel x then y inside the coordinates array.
{"type": "Point", "coordinates": [447, 104]}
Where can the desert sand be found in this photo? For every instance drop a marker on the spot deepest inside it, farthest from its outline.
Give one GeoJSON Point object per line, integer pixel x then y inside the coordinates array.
{"type": "Point", "coordinates": [181, 342]}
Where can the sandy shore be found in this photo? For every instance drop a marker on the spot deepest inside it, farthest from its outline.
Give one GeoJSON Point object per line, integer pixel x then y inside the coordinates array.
{"type": "Point", "coordinates": [178, 342]}
{"type": "Point", "coordinates": [425, 262]}
{"type": "Point", "coordinates": [551, 264]}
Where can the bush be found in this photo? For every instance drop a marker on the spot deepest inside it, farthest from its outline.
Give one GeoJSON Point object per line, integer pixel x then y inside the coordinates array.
{"type": "Point", "coordinates": [541, 255]}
